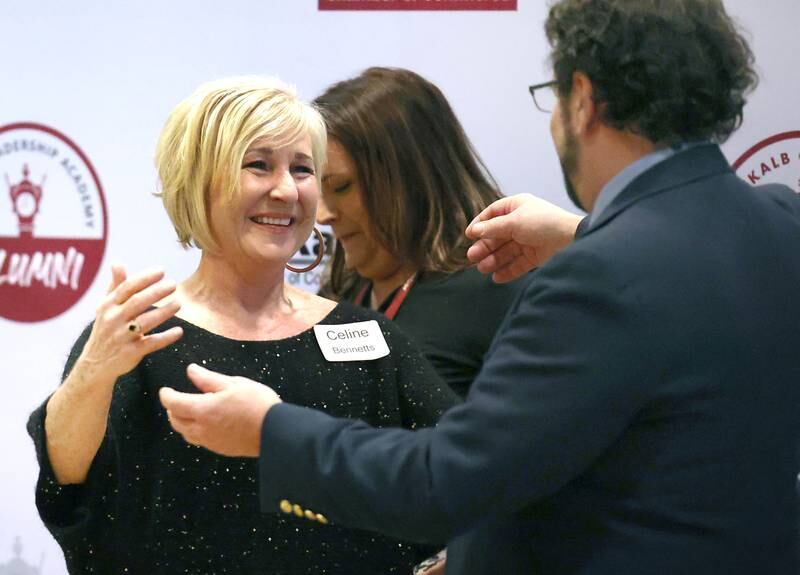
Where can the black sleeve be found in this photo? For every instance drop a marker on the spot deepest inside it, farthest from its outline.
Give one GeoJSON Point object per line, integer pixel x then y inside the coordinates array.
{"type": "Point", "coordinates": [66, 510]}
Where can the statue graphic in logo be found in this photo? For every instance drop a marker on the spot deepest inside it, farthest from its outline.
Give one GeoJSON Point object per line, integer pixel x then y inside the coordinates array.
{"type": "Point", "coordinates": [25, 198]}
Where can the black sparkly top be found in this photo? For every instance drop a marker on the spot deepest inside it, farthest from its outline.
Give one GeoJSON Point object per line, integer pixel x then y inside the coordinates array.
{"type": "Point", "coordinates": [155, 504]}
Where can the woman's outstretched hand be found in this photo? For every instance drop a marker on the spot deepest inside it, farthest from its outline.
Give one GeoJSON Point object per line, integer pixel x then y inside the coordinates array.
{"type": "Point", "coordinates": [121, 335]}
{"type": "Point", "coordinates": [77, 412]}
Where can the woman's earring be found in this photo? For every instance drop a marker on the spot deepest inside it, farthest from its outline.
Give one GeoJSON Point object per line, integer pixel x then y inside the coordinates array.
{"type": "Point", "coordinates": [315, 263]}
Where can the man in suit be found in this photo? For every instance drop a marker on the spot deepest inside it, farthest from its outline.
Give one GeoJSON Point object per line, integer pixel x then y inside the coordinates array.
{"type": "Point", "coordinates": [638, 410]}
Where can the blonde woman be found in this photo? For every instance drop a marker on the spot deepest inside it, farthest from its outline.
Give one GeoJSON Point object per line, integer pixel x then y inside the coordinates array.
{"type": "Point", "coordinates": [239, 162]}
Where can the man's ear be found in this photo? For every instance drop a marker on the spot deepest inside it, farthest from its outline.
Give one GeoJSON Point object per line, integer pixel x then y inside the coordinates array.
{"type": "Point", "coordinates": [584, 112]}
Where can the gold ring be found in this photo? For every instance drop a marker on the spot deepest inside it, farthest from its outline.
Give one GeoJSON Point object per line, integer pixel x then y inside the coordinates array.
{"type": "Point", "coordinates": [134, 327]}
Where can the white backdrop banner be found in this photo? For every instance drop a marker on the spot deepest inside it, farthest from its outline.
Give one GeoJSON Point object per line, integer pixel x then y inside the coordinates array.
{"type": "Point", "coordinates": [88, 86]}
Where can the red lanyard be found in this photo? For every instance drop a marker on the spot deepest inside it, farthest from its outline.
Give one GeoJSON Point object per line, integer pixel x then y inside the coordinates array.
{"type": "Point", "coordinates": [398, 299]}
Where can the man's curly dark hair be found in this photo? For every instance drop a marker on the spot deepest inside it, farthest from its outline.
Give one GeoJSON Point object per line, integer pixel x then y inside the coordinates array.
{"type": "Point", "coordinates": [669, 70]}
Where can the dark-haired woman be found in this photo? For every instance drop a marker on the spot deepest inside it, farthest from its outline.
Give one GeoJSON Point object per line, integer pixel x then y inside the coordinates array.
{"type": "Point", "coordinates": [402, 183]}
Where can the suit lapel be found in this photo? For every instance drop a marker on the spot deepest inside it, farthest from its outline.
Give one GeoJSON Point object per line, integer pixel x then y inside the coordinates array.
{"type": "Point", "coordinates": [695, 163]}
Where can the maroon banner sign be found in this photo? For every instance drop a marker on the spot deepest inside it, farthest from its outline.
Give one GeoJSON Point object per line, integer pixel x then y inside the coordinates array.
{"type": "Point", "coordinates": [450, 5]}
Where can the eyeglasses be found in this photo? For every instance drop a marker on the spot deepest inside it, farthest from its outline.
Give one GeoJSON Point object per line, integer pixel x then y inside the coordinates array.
{"type": "Point", "coordinates": [544, 95]}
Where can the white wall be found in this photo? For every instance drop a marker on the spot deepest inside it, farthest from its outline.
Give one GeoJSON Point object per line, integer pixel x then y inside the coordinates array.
{"type": "Point", "coordinates": [107, 73]}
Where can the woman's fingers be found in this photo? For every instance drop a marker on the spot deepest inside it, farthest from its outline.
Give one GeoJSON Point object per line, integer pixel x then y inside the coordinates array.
{"type": "Point", "coordinates": [139, 302]}
{"type": "Point", "coordinates": [155, 341]}
{"type": "Point", "coordinates": [124, 319]}
{"type": "Point", "coordinates": [118, 276]}
{"type": "Point", "coordinates": [133, 285]}
{"type": "Point", "coordinates": [132, 297]}
{"type": "Point", "coordinates": [155, 317]}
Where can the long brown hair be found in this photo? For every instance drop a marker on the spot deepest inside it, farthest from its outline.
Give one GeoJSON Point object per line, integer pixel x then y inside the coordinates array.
{"type": "Point", "coordinates": [421, 179]}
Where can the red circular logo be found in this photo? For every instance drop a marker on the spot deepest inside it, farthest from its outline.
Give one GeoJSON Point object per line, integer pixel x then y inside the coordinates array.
{"type": "Point", "coordinates": [53, 223]}
{"type": "Point", "coordinates": [773, 160]}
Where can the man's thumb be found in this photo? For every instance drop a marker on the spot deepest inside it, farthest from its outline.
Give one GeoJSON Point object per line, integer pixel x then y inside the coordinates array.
{"type": "Point", "coordinates": [206, 380]}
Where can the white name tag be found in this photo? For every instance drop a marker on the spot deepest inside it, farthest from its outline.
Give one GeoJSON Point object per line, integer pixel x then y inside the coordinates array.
{"type": "Point", "coordinates": [351, 341]}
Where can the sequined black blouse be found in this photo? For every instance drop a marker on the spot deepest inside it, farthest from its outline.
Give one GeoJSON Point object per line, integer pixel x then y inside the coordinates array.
{"type": "Point", "coordinates": [154, 504]}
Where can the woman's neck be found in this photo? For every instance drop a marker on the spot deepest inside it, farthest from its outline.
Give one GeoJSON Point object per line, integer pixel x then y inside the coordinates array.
{"type": "Point", "coordinates": [235, 300]}
{"type": "Point", "coordinates": [382, 287]}
{"type": "Point", "coordinates": [252, 289]}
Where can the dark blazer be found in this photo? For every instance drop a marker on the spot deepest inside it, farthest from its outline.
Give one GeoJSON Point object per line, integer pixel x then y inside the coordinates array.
{"type": "Point", "coordinates": [638, 412]}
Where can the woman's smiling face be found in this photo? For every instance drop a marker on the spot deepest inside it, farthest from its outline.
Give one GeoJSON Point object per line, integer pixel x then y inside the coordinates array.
{"type": "Point", "coordinates": [273, 213]}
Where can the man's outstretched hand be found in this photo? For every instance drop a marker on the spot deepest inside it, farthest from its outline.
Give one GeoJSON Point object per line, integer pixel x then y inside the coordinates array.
{"type": "Point", "coordinates": [226, 418]}
{"type": "Point", "coordinates": [517, 234]}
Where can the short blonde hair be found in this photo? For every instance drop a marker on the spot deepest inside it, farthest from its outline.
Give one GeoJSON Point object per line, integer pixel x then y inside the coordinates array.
{"type": "Point", "coordinates": [203, 143]}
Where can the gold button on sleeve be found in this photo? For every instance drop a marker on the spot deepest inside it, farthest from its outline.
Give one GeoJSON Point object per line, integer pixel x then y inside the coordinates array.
{"type": "Point", "coordinates": [297, 510]}
{"type": "Point", "coordinates": [310, 515]}
{"type": "Point", "coordinates": [322, 519]}
{"type": "Point", "coordinates": [285, 506]}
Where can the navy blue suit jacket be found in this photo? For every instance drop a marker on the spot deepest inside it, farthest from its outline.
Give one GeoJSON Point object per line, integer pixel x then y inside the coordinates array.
{"type": "Point", "coordinates": [637, 413]}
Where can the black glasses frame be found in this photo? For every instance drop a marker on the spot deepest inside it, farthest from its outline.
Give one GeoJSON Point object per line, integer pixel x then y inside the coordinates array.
{"type": "Point", "coordinates": [535, 87]}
